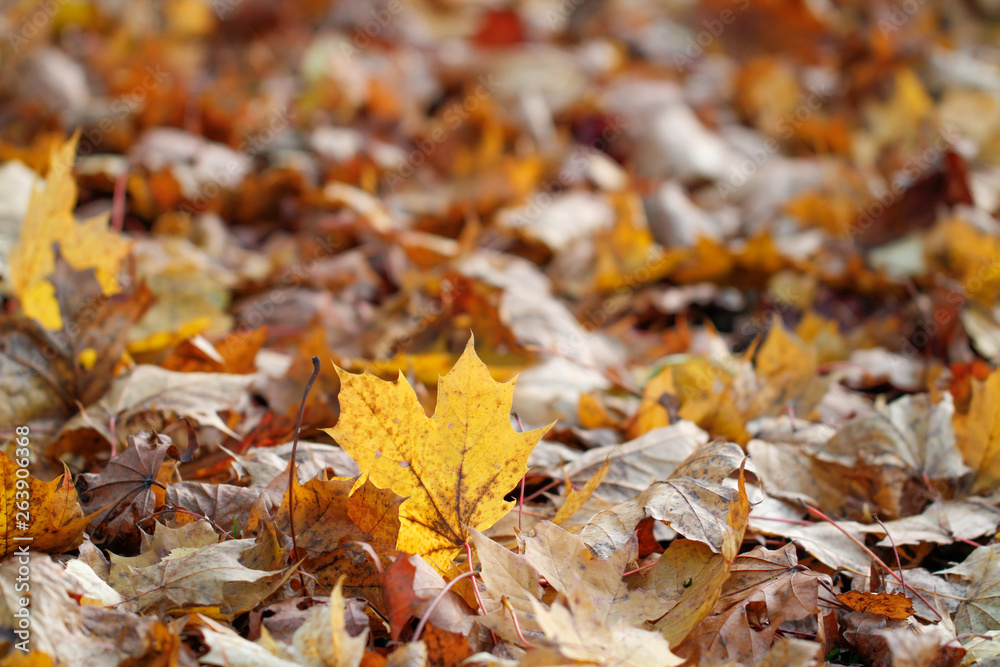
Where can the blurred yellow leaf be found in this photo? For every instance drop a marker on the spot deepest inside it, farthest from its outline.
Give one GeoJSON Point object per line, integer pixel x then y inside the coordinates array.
{"type": "Point", "coordinates": [88, 244]}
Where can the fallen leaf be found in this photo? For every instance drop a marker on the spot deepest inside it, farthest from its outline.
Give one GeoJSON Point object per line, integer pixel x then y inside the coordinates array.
{"type": "Point", "coordinates": [326, 536]}
{"type": "Point", "coordinates": [150, 390]}
{"type": "Point", "coordinates": [228, 648]}
{"type": "Point", "coordinates": [323, 640]}
{"type": "Point", "coordinates": [40, 516]}
{"type": "Point", "coordinates": [765, 589]}
{"type": "Point", "coordinates": [122, 494]}
{"type": "Point", "coordinates": [576, 499]}
{"type": "Point", "coordinates": [890, 605]}
{"type": "Point", "coordinates": [376, 512]}
{"type": "Point", "coordinates": [582, 638]}
{"type": "Point", "coordinates": [444, 647]}
{"type": "Point", "coordinates": [507, 576]}
{"type": "Point", "coordinates": [912, 433]}
{"type": "Point", "coordinates": [85, 245]}
{"type": "Point", "coordinates": [189, 577]}
{"type": "Point", "coordinates": [638, 463]}
{"type": "Point", "coordinates": [690, 576]}
{"type": "Point", "coordinates": [93, 324]}
{"type": "Point", "coordinates": [224, 504]}
{"type": "Point", "coordinates": [979, 440]}
{"type": "Point", "coordinates": [454, 469]}
{"type": "Point", "coordinates": [567, 564]}
{"type": "Point", "coordinates": [59, 631]}
{"type": "Point", "coordinates": [706, 574]}
{"type": "Point", "coordinates": [980, 611]}
{"type": "Point", "coordinates": [693, 501]}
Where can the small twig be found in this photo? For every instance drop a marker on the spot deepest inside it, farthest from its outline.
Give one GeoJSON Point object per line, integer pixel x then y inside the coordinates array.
{"type": "Point", "coordinates": [542, 490]}
{"type": "Point", "coordinates": [640, 569]}
{"type": "Point", "coordinates": [817, 513]}
{"type": "Point", "coordinates": [517, 626]}
{"type": "Point", "coordinates": [899, 563]}
{"type": "Point", "coordinates": [475, 589]}
{"type": "Point", "coordinates": [436, 600]}
{"type": "Point", "coordinates": [291, 468]}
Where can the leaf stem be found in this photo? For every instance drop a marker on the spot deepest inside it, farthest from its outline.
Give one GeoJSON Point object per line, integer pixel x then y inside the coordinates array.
{"type": "Point", "coordinates": [517, 626]}
{"type": "Point", "coordinates": [899, 563]}
{"type": "Point", "coordinates": [475, 589]}
{"type": "Point", "coordinates": [291, 468]}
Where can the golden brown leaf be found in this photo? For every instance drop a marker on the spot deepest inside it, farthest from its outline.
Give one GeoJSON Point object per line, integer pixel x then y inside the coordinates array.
{"type": "Point", "coordinates": [890, 605]}
{"type": "Point", "coordinates": [37, 515]}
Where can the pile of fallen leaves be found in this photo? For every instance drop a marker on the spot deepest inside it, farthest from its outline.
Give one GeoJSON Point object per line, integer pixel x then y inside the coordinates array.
{"type": "Point", "coordinates": [743, 259]}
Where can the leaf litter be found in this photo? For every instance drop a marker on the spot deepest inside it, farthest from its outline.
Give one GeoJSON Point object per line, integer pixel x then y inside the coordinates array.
{"type": "Point", "coordinates": [646, 334]}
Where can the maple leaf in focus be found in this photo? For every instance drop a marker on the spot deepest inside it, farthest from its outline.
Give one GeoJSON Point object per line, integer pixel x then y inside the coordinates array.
{"type": "Point", "coordinates": [54, 519]}
{"type": "Point", "coordinates": [454, 468]}
{"type": "Point", "coordinates": [85, 245]}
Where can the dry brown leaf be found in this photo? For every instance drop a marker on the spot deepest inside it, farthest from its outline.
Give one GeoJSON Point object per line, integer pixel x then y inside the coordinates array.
{"type": "Point", "coordinates": [122, 495]}
{"type": "Point", "coordinates": [580, 635]}
{"type": "Point", "coordinates": [323, 640]}
{"type": "Point", "coordinates": [188, 577]}
{"type": "Point", "coordinates": [765, 589]}
{"type": "Point", "coordinates": [638, 463]}
{"type": "Point", "coordinates": [154, 394]}
{"type": "Point", "coordinates": [225, 504]}
{"type": "Point", "coordinates": [693, 501]}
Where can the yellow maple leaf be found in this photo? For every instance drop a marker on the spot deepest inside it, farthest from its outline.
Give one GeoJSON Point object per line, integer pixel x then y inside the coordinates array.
{"type": "Point", "coordinates": [453, 468]}
{"type": "Point", "coordinates": [979, 433]}
{"type": "Point", "coordinates": [42, 516]}
{"type": "Point", "coordinates": [88, 244]}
